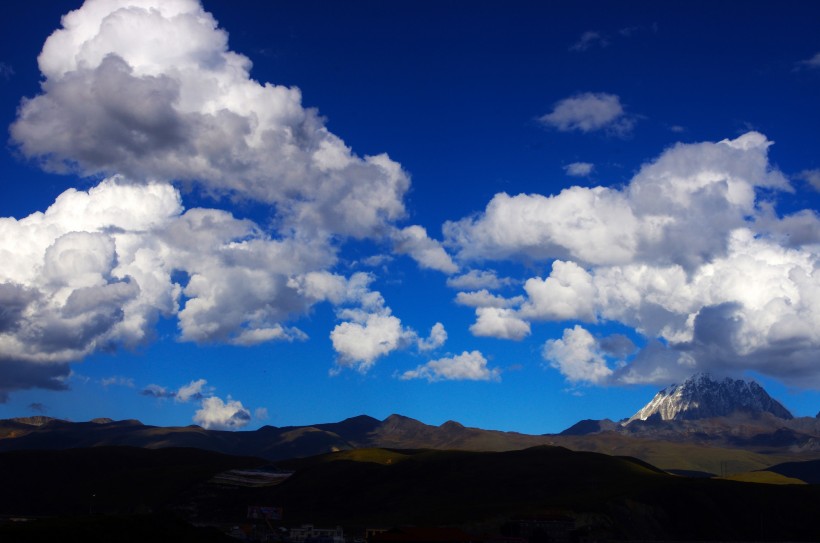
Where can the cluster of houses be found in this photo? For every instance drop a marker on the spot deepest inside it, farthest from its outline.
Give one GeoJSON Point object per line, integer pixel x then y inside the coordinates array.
{"type": "Point", "coordinates": [554, 528]}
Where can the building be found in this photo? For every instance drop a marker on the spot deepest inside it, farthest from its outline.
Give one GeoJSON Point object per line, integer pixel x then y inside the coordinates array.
{"type": "Point", "coordinates": [308, 533]}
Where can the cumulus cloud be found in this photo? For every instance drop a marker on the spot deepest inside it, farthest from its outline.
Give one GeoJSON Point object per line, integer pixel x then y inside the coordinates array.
{"type": "Point", "coordinates": [151, 90]}
{"type": "Point", "coordinates": [589, 112]}
{"type": "Point", "coordinates": [218, 414]}
{"type": "Point", "coordinates": [369, 330]}
{"type": "Point", "coordinates": [577, 356]}
{"type": "Point", "coordinates": [214, 413]}
{"type": "Point", "coordinates": [468, 366]}
{"type": "Point", "coordinates": [575, 224]}
{"type": "Point", "coordinates": [360, 342]}
{"type": "Point", "coordinates": [499, 323]}
{"type": "Point", "coordinates": [437, 338]}
{"type": "Point", "coordinates": [687, 254]}
{"type": "Point", "coordinates": [191, 391]}
{"type": "Point", "coordinates": [678, 209]}
{"type": "Point", "coordinates": [567, 294]}
{"type": "Point", "coordinates": [579, 169]}
{"type": "Point", "coordinates": [429, 253]}
{"type": "Point", "coordinates": [98, 268]}
{"type": "Point", "coordinates": [147, 96]}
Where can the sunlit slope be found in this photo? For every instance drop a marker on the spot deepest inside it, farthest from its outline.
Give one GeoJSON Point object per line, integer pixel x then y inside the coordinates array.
{"type": "Point", "coordinates": [679, 455]}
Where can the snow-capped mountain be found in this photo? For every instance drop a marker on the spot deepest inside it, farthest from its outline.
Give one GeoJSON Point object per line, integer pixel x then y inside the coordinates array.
{"type": "Point", "coordinates": [701, 397]}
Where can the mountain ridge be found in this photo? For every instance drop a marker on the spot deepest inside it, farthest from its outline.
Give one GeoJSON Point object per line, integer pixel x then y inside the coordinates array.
{"type": "Point", "coordinates": [748, 439]}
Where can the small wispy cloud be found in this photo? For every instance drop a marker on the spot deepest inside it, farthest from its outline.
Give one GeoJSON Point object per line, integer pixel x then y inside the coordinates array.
{"type": "Point", "coordinates": [592, 39]}
{"type": "Point", "coordinates": [117, 380]}
{"type": "Point", "coordinates": [6, 71]}
{"type": "Point", "coordinates": [579, 169]}
{"type": "Point", "coordinates": [812, 63]}
{"type": "Point", "coordinates": [588, 40]}
{"type": "Point", "coordinates": [468, 366]}
{"type": "Point", "coordinates": [812, 177]}
{"type": "Point", "coordinates": [38, 407]}
{"type": "Point", "coordinates": [590, 112]}
{"type": "Point", "coordinates": [195, 390]}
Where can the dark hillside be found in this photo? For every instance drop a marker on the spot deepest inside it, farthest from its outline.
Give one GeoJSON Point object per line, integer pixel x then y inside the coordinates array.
{"type": "Point", "coordinates": [104, 479]}
{"type": "Point", "coordinates": [621, 497]}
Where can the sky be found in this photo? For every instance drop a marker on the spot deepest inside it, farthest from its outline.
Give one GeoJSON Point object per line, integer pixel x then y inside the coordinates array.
{"type": "Point", "coordinates": [515, 216]}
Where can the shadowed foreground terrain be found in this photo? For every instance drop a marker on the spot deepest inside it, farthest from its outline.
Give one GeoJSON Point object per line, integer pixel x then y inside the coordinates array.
{"type": "Point", "coordinates": [612, 497]}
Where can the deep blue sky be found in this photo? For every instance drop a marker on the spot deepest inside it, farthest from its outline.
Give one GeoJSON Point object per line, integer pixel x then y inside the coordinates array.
{"type": "Point", "coordinates": [460, 95]}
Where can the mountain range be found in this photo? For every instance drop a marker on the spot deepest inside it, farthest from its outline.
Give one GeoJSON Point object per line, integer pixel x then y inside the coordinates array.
{"type": "Point", "coordinates": [150, 481]}
{"type": "Point", "coordinates": [703, 424]}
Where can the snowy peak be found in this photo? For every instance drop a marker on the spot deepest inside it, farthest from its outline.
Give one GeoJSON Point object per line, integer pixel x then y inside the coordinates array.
{"type": "Point", "coordinates": [701, 397]}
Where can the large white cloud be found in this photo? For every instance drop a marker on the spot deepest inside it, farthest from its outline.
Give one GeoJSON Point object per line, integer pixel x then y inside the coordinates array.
{"type": "Point", "coordinates": [575, 224]}
{"type": "Point", "coordinates": [678, 209]}
{"type": "Point", "coordinates": [687, 254]}
{"type": "Point", "coordinates": [146, 93]}
{"type": "Point", "coordinates": [97, 268]}
{"type": "Point", "coordinates": [500, 323]}
{"type": "Point", "coordinates": [149, 89]}
{"type": "Point", "coordinates": [567, 294]}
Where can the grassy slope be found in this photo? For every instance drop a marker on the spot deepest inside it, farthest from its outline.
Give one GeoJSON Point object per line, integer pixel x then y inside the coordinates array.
{"type": "Point", "coordinates": [681, 456]}
{"type": "Point", "coordinates": [765, 477]}
{"type": "Point", "coordinates": [629, 498]}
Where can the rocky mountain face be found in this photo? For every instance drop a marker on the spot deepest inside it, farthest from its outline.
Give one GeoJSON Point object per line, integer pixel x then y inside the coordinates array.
{"type": "Point", "coordinates": [703, 397]}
